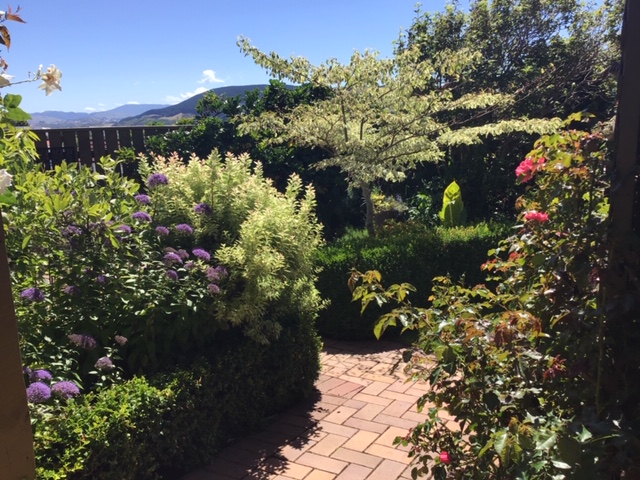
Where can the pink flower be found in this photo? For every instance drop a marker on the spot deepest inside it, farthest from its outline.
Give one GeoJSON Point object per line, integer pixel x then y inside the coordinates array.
{"type": "Point", "coordinates": [528, 167]}
{"type": "Point", "coordinates": [533, 216]}
{"type": "Point", "coordinates": [445, 458]}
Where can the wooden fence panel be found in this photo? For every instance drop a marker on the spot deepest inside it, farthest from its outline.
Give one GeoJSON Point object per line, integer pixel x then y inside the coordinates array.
{"type": "Point", "coordinates": [98, 143]}
{"type": "Point", "coordinates": [88, 145]}
{"type": "Point", "coordinates": [111, 137]}
{"type": "Point", "coordinates": [84, 148]}
{"type": "Point", "coordinates": [138, 140]}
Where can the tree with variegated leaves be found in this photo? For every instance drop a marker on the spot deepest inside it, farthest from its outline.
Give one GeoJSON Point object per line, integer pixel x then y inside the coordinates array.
{"type": "Point", "coordinates": [384, 115]}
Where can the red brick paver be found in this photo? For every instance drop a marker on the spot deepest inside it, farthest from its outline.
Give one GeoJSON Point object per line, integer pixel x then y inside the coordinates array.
{"type": "Point", "coordinates": [345, 433]}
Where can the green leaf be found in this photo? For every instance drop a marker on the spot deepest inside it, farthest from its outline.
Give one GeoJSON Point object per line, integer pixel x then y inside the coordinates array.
{"type": "Point", "coordinates": [17, 115]}
{"type": "Point", "coordinates": [584, 435]}
{"type": "Point", "coordinates": [561, 465]}
{"type": "Point", "coordinates": [12, 100]}
{"type": "Point", "coordinates": [545, 442]}
{"type": "Point", "coordinates": [7, 198]}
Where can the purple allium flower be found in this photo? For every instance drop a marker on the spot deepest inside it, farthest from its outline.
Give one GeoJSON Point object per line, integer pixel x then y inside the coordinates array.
{"type": "Point", "coordinates": [160, 230]}
{"type": "Point", "coordinates": [83, 341]}
{"type": "Point", "coordinates": [65, 390]}
{"type": "Point", "coordinates": [72, 290]}
{"type": "Point", "coordinates": [104, 364]}
{"type": "Point", "coordinates": [183, 254]}
{"type": "Point", "coordinates": [142, 216]}
{"type": "Point", "coordinates": [38, 392]}
{"type": "Point", "coordinates": [120, 340]}
{"type": "Point", "coordinates": [202, 254]}
{"type": "Point", "coordinates": [216, 274]}
{"type": "Point", "coordinates": [172, 274]}
{"type": "Point", "coordinates": [171, 257]}
{"type": "Point", "coordinates": [213, 289]}
{"type": "Point", "coordinates": [102, 278]}
{"type": "Point", "coordinates": [190, 265]}
{"type": "Point", "coordinates": [156, 179]}
{"type": "Point", "coordinates": [184, 228]}
{"type": "Point", "coordinates": [203, 208]}
{"type": "Point", "coordinates": [43, 376]}
{"type": "Point", "coordinates": [126, 229]}
{"type": "Point", "coordinates": [143, 199]}
{"type": "Point", "coordinates": [26, 371]}
{"type": "Point", "coordinates": [32, 294]}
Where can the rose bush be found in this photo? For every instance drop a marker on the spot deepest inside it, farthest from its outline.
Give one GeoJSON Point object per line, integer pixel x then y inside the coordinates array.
{"type": "Point", "coordinates": [528, 369]}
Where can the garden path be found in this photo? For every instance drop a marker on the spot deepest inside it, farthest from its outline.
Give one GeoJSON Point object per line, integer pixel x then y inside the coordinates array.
{"type": "Point", "coordinates": [345, 432]}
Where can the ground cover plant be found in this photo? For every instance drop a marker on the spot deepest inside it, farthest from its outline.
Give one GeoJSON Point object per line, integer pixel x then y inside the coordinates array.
{"type": "Point", "coordinates": [529, 369]}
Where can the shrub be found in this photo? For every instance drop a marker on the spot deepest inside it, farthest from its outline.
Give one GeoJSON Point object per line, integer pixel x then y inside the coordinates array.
{"type": "Point", "coordinates": [532, 369]}
{"type": "Point", "coordinates": [265, 238]}
{"type": "Point", "coordinates": [405, 251]}
{"type": "Point", "coordinates": [171, 423]}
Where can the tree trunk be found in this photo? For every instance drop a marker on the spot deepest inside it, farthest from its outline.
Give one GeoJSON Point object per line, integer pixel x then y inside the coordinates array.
{"type": "Point", "coordinates": [16, 439]}
{"type": "Point", "coordinates": [368, 202]}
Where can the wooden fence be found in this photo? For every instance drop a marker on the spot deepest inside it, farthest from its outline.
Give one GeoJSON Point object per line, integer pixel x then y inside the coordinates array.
{"type": "Point", "coordinates": [87, 145]}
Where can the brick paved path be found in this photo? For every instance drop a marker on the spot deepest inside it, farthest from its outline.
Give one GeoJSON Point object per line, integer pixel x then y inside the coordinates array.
{"type": "Point", "coordinates": [345, 433]}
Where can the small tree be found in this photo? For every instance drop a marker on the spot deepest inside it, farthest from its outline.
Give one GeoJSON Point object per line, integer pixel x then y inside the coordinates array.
{"type": "Point", "coordinates": [383, 115]}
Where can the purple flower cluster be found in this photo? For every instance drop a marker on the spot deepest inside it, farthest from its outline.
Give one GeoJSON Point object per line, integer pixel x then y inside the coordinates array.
{"type": "Point", "coordinates": [172, 275]}
{"type": "Point", "coordinates": [216, 274]}
{"type": "Point", "coordinates": [72, 290]}
{"type": "Point", "coordinates": [65, 390]}
{"type": "Point", "coordinates": [142, 216]}
{"type": "Point", "coordinates": [81, 340]}
{"type": "Point", "coordinates": [201, 254]}
{"type": "Point", "coordinates": [190, 265]}
{"type": "Point", "coordinates": [203, 208]}
{"type": "Point", "coordinates": [120, 340]}
{"type": "Point", "coordinates": [102, 278]}
{"type": "Point", "coordinates": [104, 364]}
{"type": "Point", "coordinates": [156, 179]}
{"type": "Point", "coordinates": [38, 392]}
{"type": "Point", "coordinates": [184, 228]}
{"type": "Point", "coordinates": [171, 258]}
{"type": "Point", "coordinates": [33, 294]}
{"type": "Point", "coordinates": [126, 229]}
{"type": "Point", "coordinates": [43, 376]}
{"type": "Point", "coordinates": [160, 230]}
{"type": "Point", "coordinates": [143, 199]}
{"type": "Point", "coordinates": [183, 254]}
{"type": "Point", "coordinates": [213, 289]}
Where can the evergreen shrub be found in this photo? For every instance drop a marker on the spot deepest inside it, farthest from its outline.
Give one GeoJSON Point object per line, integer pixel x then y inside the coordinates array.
{"type": "Point", "coordinates": [403, 252]}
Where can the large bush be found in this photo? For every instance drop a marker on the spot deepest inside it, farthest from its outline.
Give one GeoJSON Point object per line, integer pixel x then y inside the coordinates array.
{"type": "Point", "coordinates": [211, 266]}
{"type": "Point", "coordinates": [539, 372]}
{"type": "Point", "coordinates": [404, 252]}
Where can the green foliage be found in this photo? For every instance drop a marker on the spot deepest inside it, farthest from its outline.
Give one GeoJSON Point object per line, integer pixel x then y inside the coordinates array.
{"type": "Point", "coordinates": [452, 206]}
{"type": "Point", "coordinates": [402, 252]}
{"type": "Point", "coordinates": [383, 116]}
{"type": "Point", "coordinates": [521, 366]}
{"type": "Point", "coordinates": [266, 239]}
{"type": "Point", "coordinates": [173, 423]}
{"type": "Point", "coordinates": [553, 57]}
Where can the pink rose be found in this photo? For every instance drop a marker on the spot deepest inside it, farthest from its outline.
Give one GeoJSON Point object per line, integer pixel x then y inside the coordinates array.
{"type": "Point", "coordinates": [533, 216]}
{"type": "Point", "coordinates": [445, 458]}
{"type": "Point", "coordinates": [528, 167]}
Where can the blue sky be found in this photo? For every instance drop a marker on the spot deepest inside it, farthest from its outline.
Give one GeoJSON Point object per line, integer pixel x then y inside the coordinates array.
{"type": "Point", "coordinates": [143, 51]}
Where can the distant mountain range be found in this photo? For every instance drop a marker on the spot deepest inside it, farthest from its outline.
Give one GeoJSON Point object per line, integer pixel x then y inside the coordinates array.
{"type": "Point", "coordinates": [132, 114]}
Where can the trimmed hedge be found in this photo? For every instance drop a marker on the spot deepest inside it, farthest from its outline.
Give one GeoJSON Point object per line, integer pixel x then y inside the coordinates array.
{"type": "Point", "coordinates": [165, 426]}
{"type": "Point", "coordinates": [402, 253]}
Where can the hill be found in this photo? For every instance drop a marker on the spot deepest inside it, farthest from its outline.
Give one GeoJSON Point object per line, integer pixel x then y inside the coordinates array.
{"type": "Point", "coordinates": [172, 113]}
{"type": "Point", "coordinates": [56, 119]}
